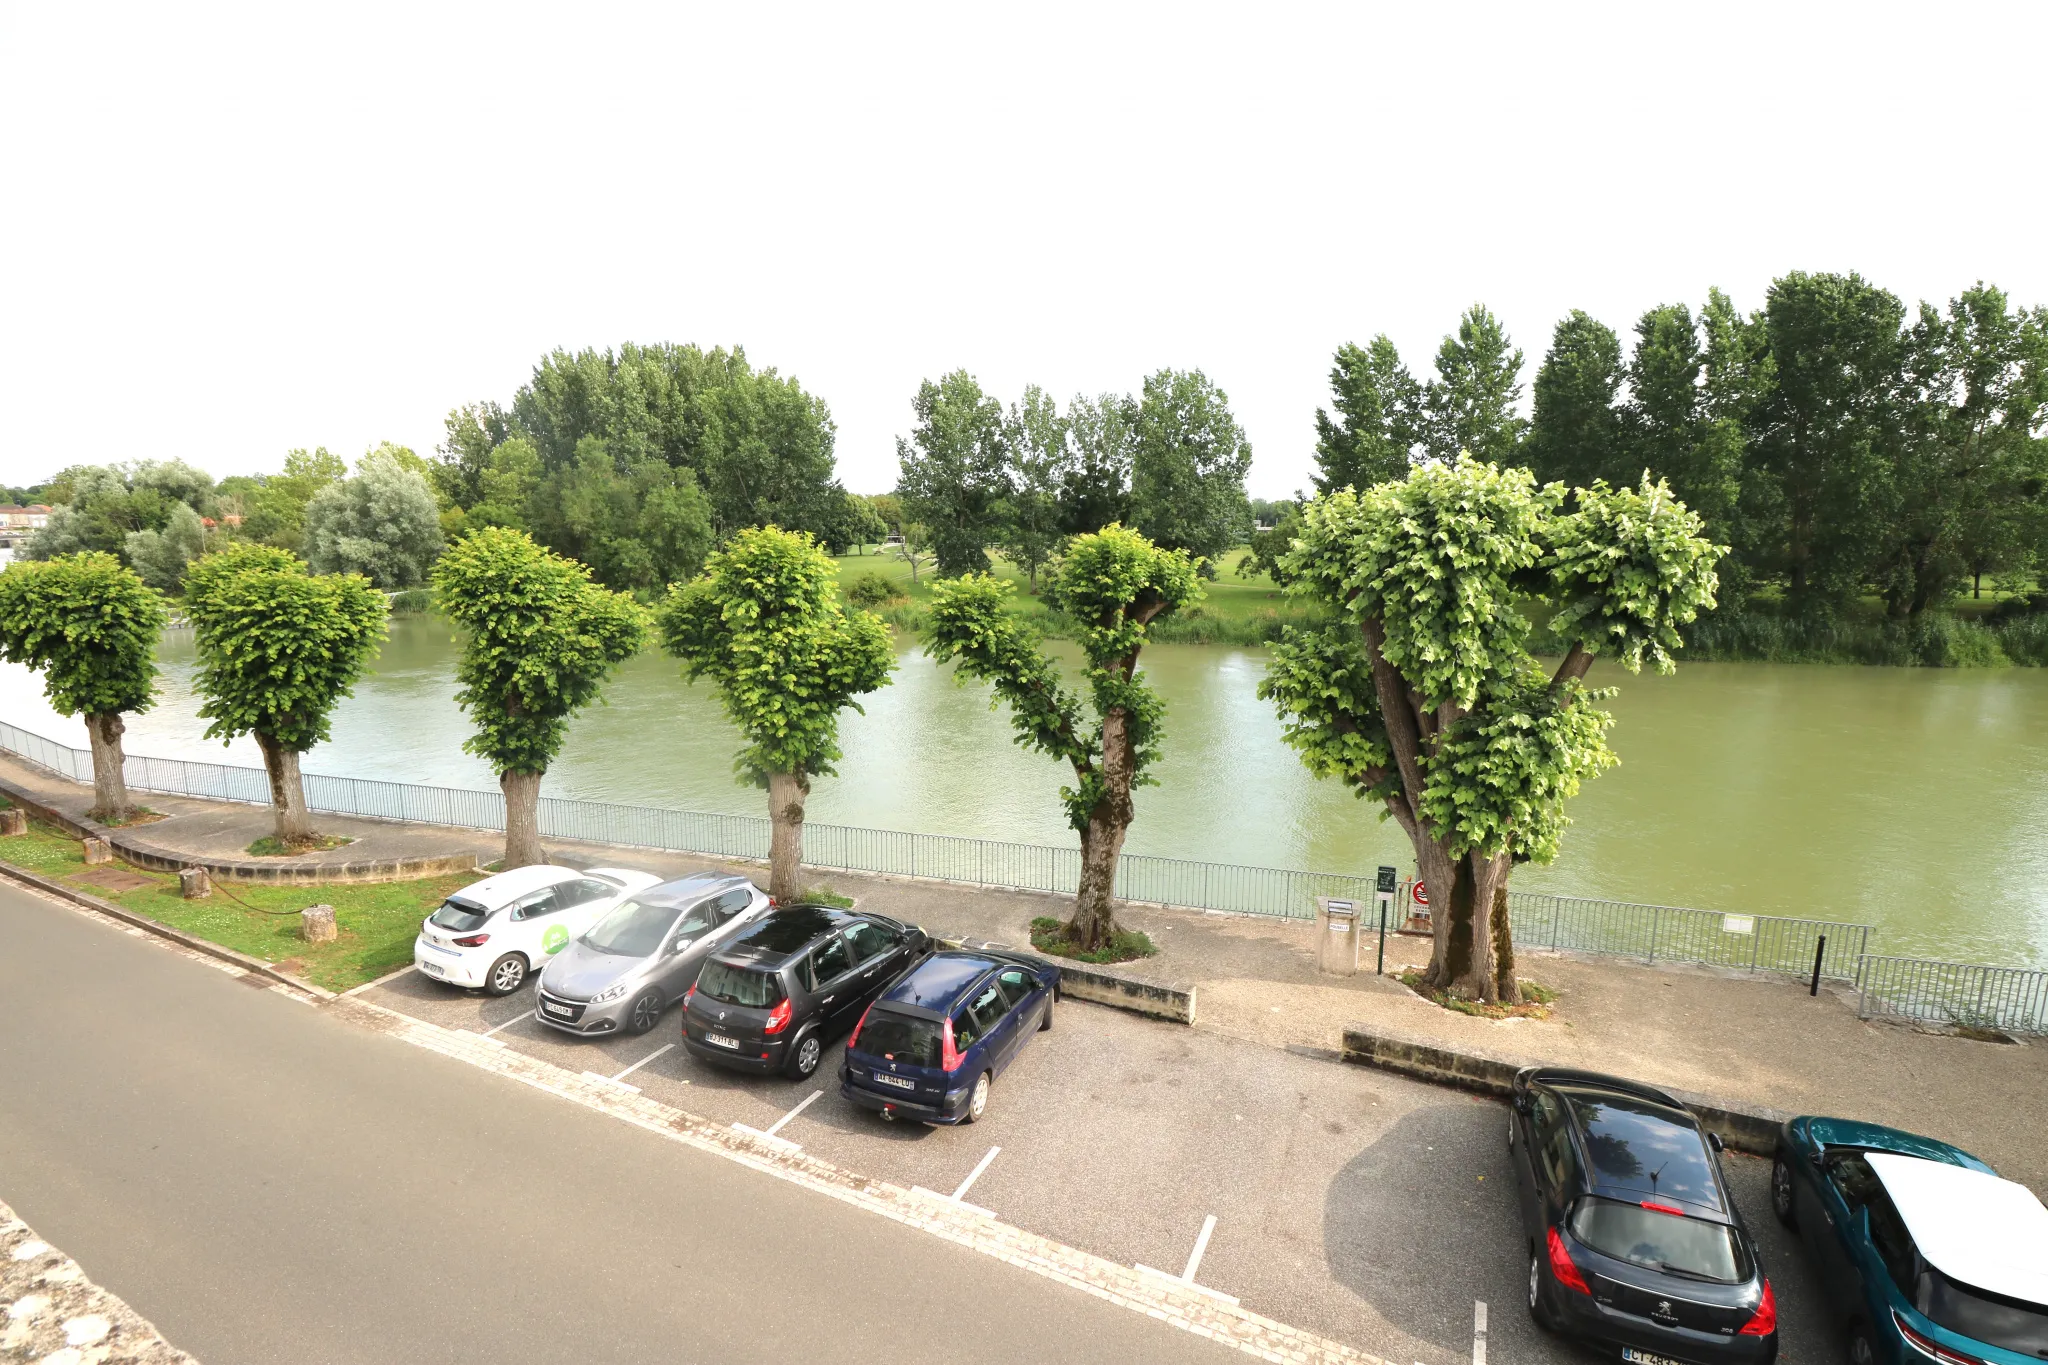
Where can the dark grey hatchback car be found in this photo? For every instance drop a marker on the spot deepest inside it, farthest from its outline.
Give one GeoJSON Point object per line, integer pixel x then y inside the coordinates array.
{"type": "Point", "coordinates": [774, 997]}
{"type": "Point", "coordinates": [1633, 1240]}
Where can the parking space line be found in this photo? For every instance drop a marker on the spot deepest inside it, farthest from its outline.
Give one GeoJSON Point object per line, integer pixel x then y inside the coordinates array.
{"type": "Point", "coordinates": [958, 1198]}
{"type": "Point", "coordinates": [1478, 1332]}
{"type": "Point", "coordinates": [611, 1080]}
{"type": "Point", "coordinates": [1186, 1279]}
{"type": "Point", "coordinates": [642, 1062]}
{"type": "Point", "coordinates": [769, 1135]}
{"type": "Point", "coordinates": [507, 1024]}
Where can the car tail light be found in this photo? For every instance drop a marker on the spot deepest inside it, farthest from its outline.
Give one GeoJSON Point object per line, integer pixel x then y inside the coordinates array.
{"type": "Point", "coordinates": [689, 995]}
{"type": "Point", "coordinates": [1764, 1320]}
{"type": "Point", "coordinates": [854, 1037]}
{"type": "Point", "coordinates": [778, 1018]}
{"type": "Point", "coordinates": [473, 941]}
{"type": "Point", "coordinates": [949, 1055]}
{"type": "Point", "coordinates": [1565, 1270]}
{"type": "Point", "coordinates": [1663, 1208]}
{"type": "Point", "coordinates": [1926, 1345]}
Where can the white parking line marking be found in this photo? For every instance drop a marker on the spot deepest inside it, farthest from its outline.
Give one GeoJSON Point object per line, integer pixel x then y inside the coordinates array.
{"type": "Point", "coordinates": [642, 1062]}
{"type": "Point", "coordinates": [1478, 1332]}
{"type": "Point", "coordinates": [1186, 1279]}
{"type": "Point", "coordinates": [769, 1136]}
{"type": "Point", "coordinates": [388, 976]}
{"type": "Point", "coordinates": [507, 1024]}
{"type": "Point", "coordinates": [611, 1080]}
{"type": "Point", "coordinates": [958, 1198]}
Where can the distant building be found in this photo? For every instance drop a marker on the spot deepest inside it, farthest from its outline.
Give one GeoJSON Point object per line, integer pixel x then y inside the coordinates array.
{"type": "Point", "coordinates": [30, 518]}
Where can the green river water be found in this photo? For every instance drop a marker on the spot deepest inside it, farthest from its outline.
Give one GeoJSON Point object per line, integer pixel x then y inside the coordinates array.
{"type": "Point", "coordinates": [1913, 799]}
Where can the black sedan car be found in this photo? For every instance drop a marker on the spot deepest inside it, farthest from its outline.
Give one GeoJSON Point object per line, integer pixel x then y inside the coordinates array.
{"type": "Point", "coordinates": [776, 995]}
{"type": "Point", "coordinates": [1634, 1242]}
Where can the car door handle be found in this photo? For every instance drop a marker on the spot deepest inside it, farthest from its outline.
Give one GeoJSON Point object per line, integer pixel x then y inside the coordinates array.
{"type": "Point", "coordinates": [828, 999]}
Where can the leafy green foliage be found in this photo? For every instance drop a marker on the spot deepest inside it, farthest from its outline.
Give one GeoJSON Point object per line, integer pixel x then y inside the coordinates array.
{"type": "Point", "coordinates": [1627, 569]}
{"type": "Point", "coordinates": [1471, 404]}
{"type": "Point", "coordinates": [1501, 775]}
{"type": "Point", "coordinates": [1040, 455]}
{"type": "Point", "coordinates": [161, 557]}
{"type": "Point", "coordinates": [539, 639]}
{"type": "Point", "coordinates": [1378, 414]}
{"type": "Point", "coordinates": [1268, 549]}
{"type": "Point", "coordinates": [1095, 484]}
{"type": "Point", "coordinates": [1189, 459]}
{"type": "Point", "coordinates": [382, 524]}
{"type": "Point", "coordinates": [765, 624]}
{"type": "Point", "coordinates": [88, 625]}
{"type": "Point", "coordinates": [955, 475]}
{"type": "Point", "coordinates": [278, 646]}
{"type": "Point", "coordinates": [100, 506]}
{"type": "Point", "coordinates": [873, 589]}
{"type": "Point", "coordinates": [1114, 584]}
{"type": "Point", "coordinates": [1575, 433]}
{"type": "Point", "coordinates": [1329, 712]}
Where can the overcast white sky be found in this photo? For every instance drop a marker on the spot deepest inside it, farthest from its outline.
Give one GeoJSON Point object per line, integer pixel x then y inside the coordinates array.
{"type": "Point", "coordinates": [230, 232]}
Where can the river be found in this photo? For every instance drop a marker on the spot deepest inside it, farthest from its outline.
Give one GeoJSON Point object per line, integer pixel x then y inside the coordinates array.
{"type": "Point", "coordinates": [1914, 799]}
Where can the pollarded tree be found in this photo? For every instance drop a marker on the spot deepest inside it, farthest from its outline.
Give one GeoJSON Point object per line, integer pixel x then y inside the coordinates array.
{"type": "Point", "coordinates": [766, 625]}
{"type": "Point", "coordinates": [90, 626]}
{"type": "Point", "coordinates": [1115, 584]}
{"type": "Point", "coordinates": [539, 640]}
{"type": "Point", "coordinates": [278, 648]}
{"type": "Point", "coordinates": [1423, 695]}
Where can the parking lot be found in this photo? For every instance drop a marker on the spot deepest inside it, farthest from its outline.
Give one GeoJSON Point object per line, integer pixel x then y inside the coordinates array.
{"type": "Point", "coordinates": [1356, 1204]}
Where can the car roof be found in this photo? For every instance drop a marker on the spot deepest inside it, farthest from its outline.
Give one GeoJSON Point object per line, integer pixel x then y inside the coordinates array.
{"type": "Point", "coordinates": [500, 888]}
{"type": "Point", "coordinates": [1827, 1132]}
{"type": "Point", "coordinates": [1987, 1232]}
{"type": "Point", "coordinates": [1638, 1148]}
{"type": "Point", "coordinates": [688, 888]}
{"type": "Point", "coordinates": [939, 981]}
{"type": "Point", "coordinates": [781, 934]}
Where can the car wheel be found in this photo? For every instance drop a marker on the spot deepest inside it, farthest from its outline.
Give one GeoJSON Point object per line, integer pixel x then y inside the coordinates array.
{"type": "Point", "coordinates": [1862, 1351]}
{"type": "Point", "coordinates": [1537, 1308]}
{"type": "Point", "coordinates": [1045, 1020]}
{"type": "Point", "coordinates": [978, 1101]}
{"type": "Point", "coordinates": [805, 1056]}
{"type": "Point", "coordinates": [1781, 1192]}
{"type": "Point", "coordinates": [506, 975]}
{"type": "Point", "coordinates": [646, 1011]}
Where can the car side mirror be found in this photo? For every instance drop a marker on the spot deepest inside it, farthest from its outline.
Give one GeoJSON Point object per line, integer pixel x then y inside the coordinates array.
{"type": "Point", "coordinates": [1714, 1140]}
{"type": "Point", "coordinates": [1523, 1104]}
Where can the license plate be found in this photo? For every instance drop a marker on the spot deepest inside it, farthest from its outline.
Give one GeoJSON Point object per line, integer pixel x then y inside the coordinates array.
{"type": "Point", "coordinates": [559, 1011]}
{"type": "Point", "coordinates": [1635, 1357]}
{"type": "Point", "coordinates": [900, 1082]}
{"type": "Point", "coordinates": [720, 1040]}
{"type": "Point", "coordinates": [433, 969]}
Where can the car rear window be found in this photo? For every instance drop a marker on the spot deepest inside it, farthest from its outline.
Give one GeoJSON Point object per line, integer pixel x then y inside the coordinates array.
{"type": "Point", "coordinates": [1660, 1241]}
{"type": "Point", "coordinates": [730, 985]}
{"type": "Point", "coordinates": [900, 1038]}
{"type": "Point", "coordinates": [1990, 1318]}
{"type": "Point", "coordinates": [460, 915]}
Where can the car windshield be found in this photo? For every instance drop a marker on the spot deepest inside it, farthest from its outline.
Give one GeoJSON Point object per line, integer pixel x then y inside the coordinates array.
{"type": "Point", "coordinates": [632, 929]}
{"type": "Point", "coordinates": [900, 1038]}
{"type": "Point", "coordinates": [1661, 1241]}
{"type": "Point", "coordinates": [731, 985]}
{"type": "Point", "coordinates": [1990, 1318]}
{"type": "Point", "coordinates": [460, 915]}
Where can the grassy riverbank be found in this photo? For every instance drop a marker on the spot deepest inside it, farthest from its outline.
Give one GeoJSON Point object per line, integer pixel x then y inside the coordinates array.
{"type": "Point", "coordinates": [377, 922]}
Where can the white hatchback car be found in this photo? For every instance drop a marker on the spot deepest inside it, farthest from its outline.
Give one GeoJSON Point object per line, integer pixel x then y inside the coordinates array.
{"type": "Point", "coordinates": [498, 932]}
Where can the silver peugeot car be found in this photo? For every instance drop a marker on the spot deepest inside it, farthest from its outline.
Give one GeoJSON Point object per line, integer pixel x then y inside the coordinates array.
{"type": "Point", "coordinates": [643, 956]}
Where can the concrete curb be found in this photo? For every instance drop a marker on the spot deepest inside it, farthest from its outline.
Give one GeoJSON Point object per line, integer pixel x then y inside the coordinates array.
{"type": "Point", "coordinates": [255, 966]}
{"type": "Point", "coordinates": [1746, 1128]}
{"type": "Point", "coordinates": [154, 858]}
{"type": "Point", "coordinates": [1086, 981]}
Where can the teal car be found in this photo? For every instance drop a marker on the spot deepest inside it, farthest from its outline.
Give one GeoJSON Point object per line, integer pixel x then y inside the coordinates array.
{"type": "Point", "coordinates": [1924, 1251]}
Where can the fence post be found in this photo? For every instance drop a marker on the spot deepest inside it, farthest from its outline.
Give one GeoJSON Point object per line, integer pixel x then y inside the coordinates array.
{"type": "Point", "coordinates": [1656, 918]}
{"type": "Point", "coordinates": [1556, 913]}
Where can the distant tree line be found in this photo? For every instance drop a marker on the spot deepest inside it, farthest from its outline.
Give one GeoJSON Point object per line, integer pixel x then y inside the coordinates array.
{"type": "Point", "coordinates": [976, 477]}
{"type": "Point", "coordinates": [1837, 444]}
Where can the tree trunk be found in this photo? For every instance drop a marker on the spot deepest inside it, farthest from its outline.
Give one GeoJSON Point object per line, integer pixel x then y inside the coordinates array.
{"type": "Point", "coordinates": [287, 792]}
{"type": "Point", "coordinates": [109, 785]}
{"type": "Point", "coordinates": [1509, 985]}
{"type": "Point", "coordinates": [786, 793]}
{"type": "Point", "coordinates": [1094, 925]}
{"type": "Point", "coordinates": [522, 820]}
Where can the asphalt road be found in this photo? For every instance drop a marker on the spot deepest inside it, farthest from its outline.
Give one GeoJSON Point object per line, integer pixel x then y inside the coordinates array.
{"type": "Point", "coordinates": [267, 1183]}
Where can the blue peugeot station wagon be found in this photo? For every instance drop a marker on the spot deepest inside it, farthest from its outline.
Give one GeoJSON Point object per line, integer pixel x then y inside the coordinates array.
{"type": "Point", "coordinates": [930, 1046]}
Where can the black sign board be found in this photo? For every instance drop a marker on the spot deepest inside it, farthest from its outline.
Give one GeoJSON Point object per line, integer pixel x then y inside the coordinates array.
{"type": "Point", "coordinates": [1386, 881]}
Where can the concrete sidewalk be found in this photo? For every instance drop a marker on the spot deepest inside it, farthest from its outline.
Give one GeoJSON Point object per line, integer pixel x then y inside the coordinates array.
{"type": "Point", "coordinates": [1758, 1040]}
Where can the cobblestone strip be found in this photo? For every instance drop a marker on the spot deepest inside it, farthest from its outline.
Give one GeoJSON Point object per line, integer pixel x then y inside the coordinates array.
{"type": "Point", "coordinates": [1191, 1311]}
{"type": "Point", "coordinates": [52, 1314]}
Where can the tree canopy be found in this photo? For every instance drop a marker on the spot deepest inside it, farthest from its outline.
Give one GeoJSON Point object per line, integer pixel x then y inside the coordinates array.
{"type": "Point", "coordinates": [955, 471]}
{"type": "Point", "coordinates": [1189, 459]}
{"type": "Point", "coordinates": [383, 524]}
{"type": "Point", "coordinates": [88, 625]}
{"type": "Point", "coordinates": [1378, 404]}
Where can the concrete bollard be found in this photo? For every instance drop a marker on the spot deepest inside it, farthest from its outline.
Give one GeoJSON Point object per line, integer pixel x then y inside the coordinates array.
{"type": "Point", "coordinates": [98, 851]}
{"type": "Point", "coordinates": [194, 884]}
{"type": "Point", "coordinates": [316, 924]}
{"type": "Point", "coordinates": [13, 821]}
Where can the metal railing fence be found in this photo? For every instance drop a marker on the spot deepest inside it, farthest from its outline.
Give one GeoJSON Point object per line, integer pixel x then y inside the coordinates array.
{"type": "Point", "coordinates": [1907, 988]}
{"type": "Point", "coordinates": [1966, 994]}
